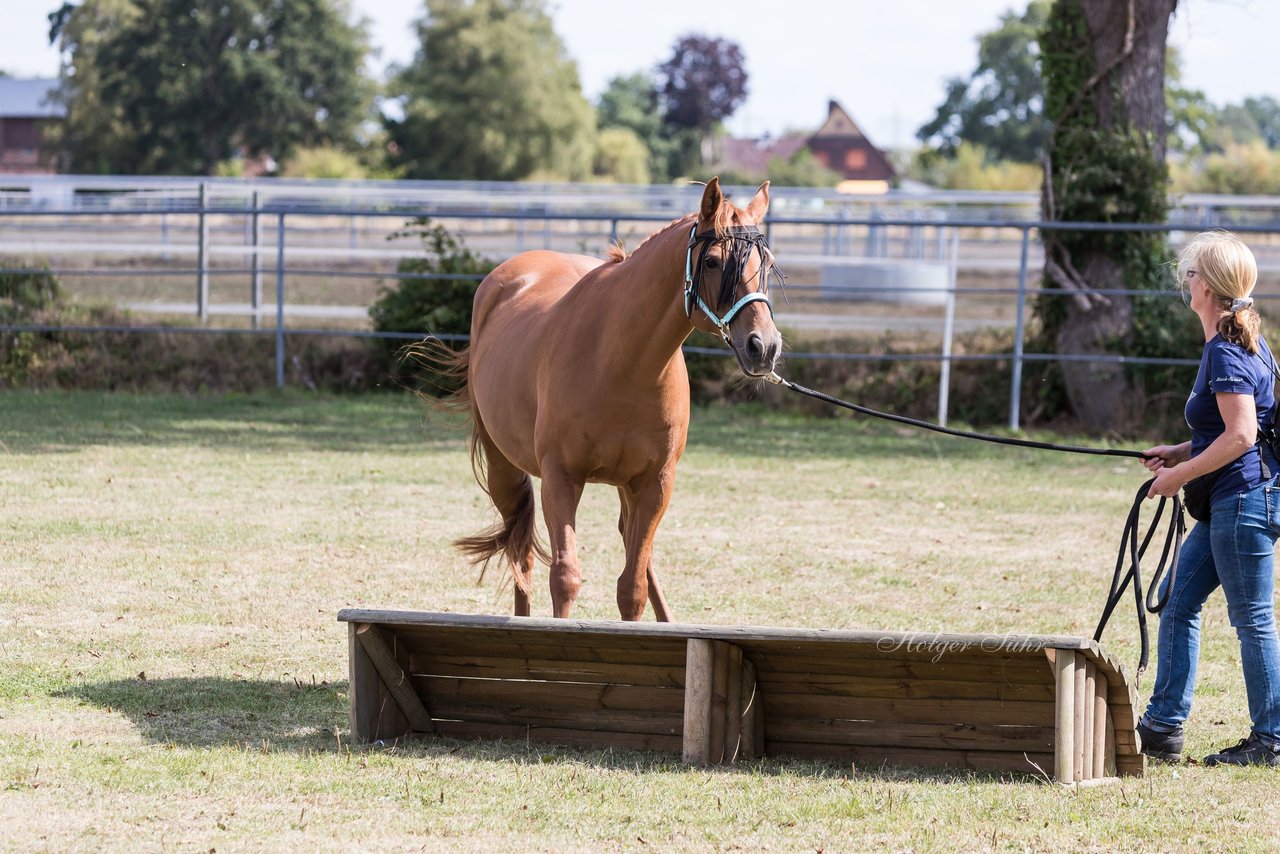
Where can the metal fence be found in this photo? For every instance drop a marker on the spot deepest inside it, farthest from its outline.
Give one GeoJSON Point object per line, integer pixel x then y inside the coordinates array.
{"type": "Point", "coordinates": [862, 273]}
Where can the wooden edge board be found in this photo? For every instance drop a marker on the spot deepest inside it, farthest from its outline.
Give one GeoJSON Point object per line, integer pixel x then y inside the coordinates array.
{"type": "Point", "coordinates": [730, 634]}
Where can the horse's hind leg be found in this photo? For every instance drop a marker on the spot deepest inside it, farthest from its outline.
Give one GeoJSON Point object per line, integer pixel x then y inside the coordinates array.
{"type": "Point", "coordinates": [661, 611]}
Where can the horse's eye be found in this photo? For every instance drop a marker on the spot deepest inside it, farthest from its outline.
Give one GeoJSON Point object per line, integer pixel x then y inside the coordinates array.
{"type": "Point", "coordinates": [713, 263]}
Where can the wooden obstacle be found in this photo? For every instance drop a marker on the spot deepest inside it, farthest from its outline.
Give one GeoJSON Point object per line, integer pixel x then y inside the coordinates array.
{"type": "Point", "coordinates": [1055, 705]}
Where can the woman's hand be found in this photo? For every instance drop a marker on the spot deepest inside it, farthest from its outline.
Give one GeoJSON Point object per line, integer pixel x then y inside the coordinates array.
{"type": "Point", "coordinates": [1164, 456]}
{"type": "Point", "coordinates": [1168, 480]}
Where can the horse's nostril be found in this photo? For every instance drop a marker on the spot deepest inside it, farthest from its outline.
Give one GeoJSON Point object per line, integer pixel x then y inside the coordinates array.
{"type": "Point", "coordinates": [755, 345]}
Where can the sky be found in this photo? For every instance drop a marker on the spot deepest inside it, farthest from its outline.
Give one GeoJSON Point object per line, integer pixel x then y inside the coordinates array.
{"type": "Point", "coordinates": [885, 61]}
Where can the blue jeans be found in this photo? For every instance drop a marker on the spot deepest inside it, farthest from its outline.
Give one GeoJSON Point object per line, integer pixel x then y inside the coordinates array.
{"type": "Point", "coordinates": [1234, 549]}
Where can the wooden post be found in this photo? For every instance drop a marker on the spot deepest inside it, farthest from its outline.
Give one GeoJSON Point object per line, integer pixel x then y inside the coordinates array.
{"type": "Point", "coordinates": [394, 678]}
{"type": "Point", "coordinates": [1064, 752]}
{"type": "Point", "coordinates": [752, 720]}
{"type": "Point", "coordinates": [719, 701]}
{"type": "Point", "coordinates": [1101, 727]}
{"type": "Point", "coordinates": [1090, 721]}
{"type": "Point", "coordinates": [733, 704]}
{"type": "Point", "coordinates": [698, 676]}
{"type": "Point", "coordinates": [1079, 715]}
{"type": "Point", "coordinates": [363, 688]}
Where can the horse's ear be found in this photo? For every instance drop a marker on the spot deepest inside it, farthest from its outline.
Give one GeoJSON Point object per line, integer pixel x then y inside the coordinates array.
{"type": "Point", "coordinates": [759, 203]}
{"type": "Point", "coordinates": [711, 199]}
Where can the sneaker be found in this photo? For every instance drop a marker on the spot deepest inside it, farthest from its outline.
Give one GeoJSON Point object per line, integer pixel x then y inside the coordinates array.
{"type": "Point", "coordinates": [1161, 745]}
{"type": "Point", "coordinates": [1250, 751]}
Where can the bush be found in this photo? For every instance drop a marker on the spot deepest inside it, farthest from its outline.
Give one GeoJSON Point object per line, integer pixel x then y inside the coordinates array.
{"type": "Point", "coordinates": [23, 293]}
{"type": "Point", "coordinates": [438, 303]}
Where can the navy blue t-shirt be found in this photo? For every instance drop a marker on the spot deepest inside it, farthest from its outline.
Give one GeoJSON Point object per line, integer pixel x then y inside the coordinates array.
{"type": "Point", "coordinates": [1227, 367]}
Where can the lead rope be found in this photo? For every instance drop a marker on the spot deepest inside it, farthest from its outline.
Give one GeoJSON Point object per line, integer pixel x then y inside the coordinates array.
{"type": "Point", "coordinates": [1128, 539]}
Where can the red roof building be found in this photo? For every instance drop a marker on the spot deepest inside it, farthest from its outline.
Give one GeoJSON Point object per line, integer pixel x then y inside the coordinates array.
{"type": "Point", "coordinates": [839, 145]}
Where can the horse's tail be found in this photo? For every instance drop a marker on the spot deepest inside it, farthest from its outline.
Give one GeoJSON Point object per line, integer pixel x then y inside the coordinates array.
{"type": "Point", "coordinates": [516, 534]}
{"type": "Point", "coordinates": [441, 368]}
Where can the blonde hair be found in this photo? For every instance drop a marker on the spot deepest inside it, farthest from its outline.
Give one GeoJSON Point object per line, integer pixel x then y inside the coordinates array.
{"type": "Point", "coordinates": [1228, 269]}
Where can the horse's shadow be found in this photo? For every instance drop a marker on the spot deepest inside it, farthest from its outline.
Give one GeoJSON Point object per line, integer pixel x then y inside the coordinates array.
{"type": "Point", "coordinates": [211, 712]}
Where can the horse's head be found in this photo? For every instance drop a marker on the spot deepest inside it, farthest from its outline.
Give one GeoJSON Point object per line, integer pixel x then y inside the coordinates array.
{"type": "Point", "coordinates": [727, 271]}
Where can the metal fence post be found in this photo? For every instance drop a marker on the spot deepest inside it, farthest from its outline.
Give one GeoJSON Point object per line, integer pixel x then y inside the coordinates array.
{"type": "Point", "coordinates": [948, 329]}
{"type": "Point", "coordinates": [280, 301]}
{"type": "Point", "coordinates": [1015, 391]}
{"type": "Point", "coordinates": [202, 257]}
{"type": "Point", "coordinates": [255, 260]}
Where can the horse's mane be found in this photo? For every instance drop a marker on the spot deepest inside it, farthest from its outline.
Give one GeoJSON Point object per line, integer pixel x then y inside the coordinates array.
{"type": "Point", "coordinates": [724, 220]}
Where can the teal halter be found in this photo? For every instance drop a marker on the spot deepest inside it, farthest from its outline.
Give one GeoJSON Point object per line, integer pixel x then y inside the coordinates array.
{"type": "Point", "coordinates": [746, 234]}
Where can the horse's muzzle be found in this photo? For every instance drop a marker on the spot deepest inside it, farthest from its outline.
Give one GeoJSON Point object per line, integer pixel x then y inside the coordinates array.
{"type": "Point", "coordinates": [759, 354]}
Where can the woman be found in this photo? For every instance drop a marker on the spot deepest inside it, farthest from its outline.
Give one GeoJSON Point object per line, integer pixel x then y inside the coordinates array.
{"type": "Point", "coordinates": [1231, 402]}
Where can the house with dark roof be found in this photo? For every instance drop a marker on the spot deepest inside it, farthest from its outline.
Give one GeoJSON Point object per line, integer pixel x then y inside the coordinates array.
{"type": "Point", "coordinates": [26, 106]}
{"type": "Point", "coordinates": [839, 144]}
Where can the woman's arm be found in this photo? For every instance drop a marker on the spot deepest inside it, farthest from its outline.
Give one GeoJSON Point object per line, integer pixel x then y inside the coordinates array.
{"type": "Point", "coordinates": [1239, 414]}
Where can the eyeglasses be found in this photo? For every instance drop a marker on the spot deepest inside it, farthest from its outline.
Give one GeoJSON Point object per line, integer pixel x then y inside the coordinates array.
{"type": "Point", "coordinates": [1184, 287]}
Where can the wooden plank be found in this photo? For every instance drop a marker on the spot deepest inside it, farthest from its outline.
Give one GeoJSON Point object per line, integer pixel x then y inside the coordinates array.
{"type": "Point", "coordinates": [733, 706]}
{"type": "Point", "coordinates": [696, 748]}
{"type": "Point", "coordinates": [555, 735]}
{"type": "Point", "coordinates": [719, 701]}
{"type": "Point", "coordinates": [975, 760]}
{"type": "Point", "coordinates": [394, 679]}
{"type": "Point", "coordinates": [364, 687]}
{"type": "Point", "coordinates": [839, 684]}
{"type": "Point", "coordinates": [781, 707]}
{"type": "Point", "coordinates": [546, 670]}
{"type": "Point", "coordinates": [583, 720]}
{"type": "Point", "coordinates": [503, 643]}
{"type": "Point", "coordinates": [1031, 739]}
{"type": "Point", "coordinates": [570, 695]}
{"type": "Point", "coordinates": [1021, 672]}
{"type": "Point", "coordinates": [731, 634]}
{"type": "Point", "coordinates": [837, 652]}
{"type": "Point", "coordinates": [1064, 667]}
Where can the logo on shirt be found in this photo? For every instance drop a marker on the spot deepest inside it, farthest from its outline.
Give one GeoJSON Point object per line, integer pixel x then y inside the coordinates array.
{"type": "Point", "coordinates": [1228, 379]}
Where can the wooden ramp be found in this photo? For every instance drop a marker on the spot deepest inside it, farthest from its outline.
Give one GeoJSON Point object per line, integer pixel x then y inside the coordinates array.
{"type": "Point", "coordinates": [716, 694]}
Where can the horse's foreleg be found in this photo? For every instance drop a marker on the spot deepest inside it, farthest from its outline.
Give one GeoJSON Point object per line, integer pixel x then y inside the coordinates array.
{"type": "Point", "coordinates": [560, 496]}
{"type": "Point", "coordinates": [643, 506]}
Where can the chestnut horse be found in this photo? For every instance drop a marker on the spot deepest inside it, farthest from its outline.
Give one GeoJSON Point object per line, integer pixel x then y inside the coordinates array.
{"type": "Point", "coordinates": [575, 375]}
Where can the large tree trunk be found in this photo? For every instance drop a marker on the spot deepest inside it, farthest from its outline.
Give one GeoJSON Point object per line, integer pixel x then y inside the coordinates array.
{"type": "Point", "coordinates": [1123, 94]}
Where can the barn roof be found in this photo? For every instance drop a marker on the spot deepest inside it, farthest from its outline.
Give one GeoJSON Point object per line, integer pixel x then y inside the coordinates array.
{"type": "Point", "coordinates": [29, 98]}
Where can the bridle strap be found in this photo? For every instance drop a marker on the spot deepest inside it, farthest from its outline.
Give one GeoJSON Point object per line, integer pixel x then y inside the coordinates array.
{"type": "Point", "coordinates": [692, 297]}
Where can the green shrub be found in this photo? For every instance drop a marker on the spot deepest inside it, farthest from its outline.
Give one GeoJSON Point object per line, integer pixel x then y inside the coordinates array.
{"type": "Point", "coordinates": [24, 293]}
{"type": "Point", "coordinates": [438, 303]}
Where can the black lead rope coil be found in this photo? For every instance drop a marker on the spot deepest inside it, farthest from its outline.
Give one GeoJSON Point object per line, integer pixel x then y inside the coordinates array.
{"type": "Point", "coordinates": [1128, 540]}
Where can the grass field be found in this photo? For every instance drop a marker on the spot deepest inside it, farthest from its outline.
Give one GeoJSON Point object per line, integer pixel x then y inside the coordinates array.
{"type": "Point", "coordinates": [172, 675]}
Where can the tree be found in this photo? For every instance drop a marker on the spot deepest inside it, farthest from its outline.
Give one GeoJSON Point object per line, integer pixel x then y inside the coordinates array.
{"type": "Point", "coordinates": [1266, 113]}
{"type": "Point", "coordinates": [703, 82]}
{"type": "Point", "coordinates": [491, 95]}
{"type": "Point", "coordinates": [1000, 106]}
{"type": "Point", "coordinates": [621, 156]}
{"type": "Point", "coordinates": [1104, 63]}
{"type": "Point", "coordinates": [172, 87]}
{"type": "Point", "coordinates": [632, 103]}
